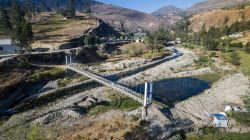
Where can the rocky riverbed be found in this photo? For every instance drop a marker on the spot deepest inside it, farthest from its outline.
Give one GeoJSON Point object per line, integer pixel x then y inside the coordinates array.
{"type": "Point", "coordinates": [228, 90]}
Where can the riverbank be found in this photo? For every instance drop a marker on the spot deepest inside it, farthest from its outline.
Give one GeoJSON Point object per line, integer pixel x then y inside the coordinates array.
{"type": "Point", "coordinates": [226, 91]}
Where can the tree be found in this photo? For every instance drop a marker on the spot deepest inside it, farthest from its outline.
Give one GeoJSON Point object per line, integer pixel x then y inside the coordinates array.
{"type": "Point", "coordinates": [43, 6]}
{"type": "Point", "coordinates": [87, 6]}
{"type": "Point", "coordinates": [242, 15]}
{"type": "Point", "coordinates": [5, 24]}
{"type": "Point", "coordinates": [26, 36]}
{"type": "Point", "coordinates": [57, 4]}
{"type": "Point", "coordinates": [21, 31]}
{"type": "Point", "coordinates": [16, 19]}
{"type": "Point", "coordinates": [122, 23]}
{"type": "Point", "coordinates": [29, 8]}
{"type": "Point", "coordinates": [235, 58]}
{"type": "Point", "coordinates": [70, 8]}
{"type": "Point", "coordinates": [89, 40]}
{"type": "Point", "coordinates": [226, 19]}
{"type": "Point", "coordinates": [247, 47]}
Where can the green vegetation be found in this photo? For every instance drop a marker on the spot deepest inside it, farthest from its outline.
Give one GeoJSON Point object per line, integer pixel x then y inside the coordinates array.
{"type": "Point", "coordinates": [211, 78]}
{"type": "Point", "coordinates": [191, 46]}
{"type": "Point", "coordinates": [211, 39]}
{"type": "Point", "coordinates": [247, 47]}
{"type": "Point", "coordinates": [142, 50]}
{"type": "Point", "coordinates": [204, 61]}
{"type": "Point", "coordinates": [241, 117]}
{"type": "Point", "coordinates": [156, 40]}
{"type": "Point", "coordinates": [90, 40]}
{"type": "Point", "coordinates": [67, 81]}
{"type": "Point", "coordinates": [220, 136]}
{"type": "Point", "coordinates": [122, 102]}
{"type": "Point", "coordinates": [36, 134]}
{"type": "Point", "coordinates": [210, 133]}
{"type": "Point", "coordinates": [48, 74]}
{"type": "Point", "coordinates": [144, 123]}
{"type": "Point", "coordinates": [117, 101]}
{"type": "Point", "coordinates": [235, 58]}
{"type": "Point", "coordinates": [5, 25]}
{"type": "Point", "coordinates": [243, 62]}
{"type": "Point", "coordinates": [21, 30]}
{"type": "Point", "coordinates": [154, 53]}
{"type": "Point", "coordinates": [70, 12]}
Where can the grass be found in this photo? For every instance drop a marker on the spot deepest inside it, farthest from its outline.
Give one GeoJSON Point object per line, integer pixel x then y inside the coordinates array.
{"type": "Point", "coordinates": [154, 54]}
{"type": "Point", "coordinates": [241, 117]}
{"type": "Point", "coordinates": [221, 136]}
{"type": "Point", "coordinates": [244, 61]}
{"type": "Point", "coordinates": [58, 29]}
{"type": "Point", "coordinates": [192, 46]}
{"type": "Point", "coordinates": [48, 74]}
{"type": "Point", "coordinates": [244, 67]}
{"type": "Point", "coordinates": [141, 50]}
{"type": "Point", "coordinates": [67, 81]}
{"type": "Point", "coordinates": [204, 61]}
{"type": "Point", "coordinates": [116, 101]}
{"type": "Point", "coordinates": [211, 77]}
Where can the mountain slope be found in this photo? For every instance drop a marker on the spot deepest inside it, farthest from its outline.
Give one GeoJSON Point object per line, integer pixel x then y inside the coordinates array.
{"type": "Point", "coordinates": [213, 4]}
{"type": "Point", "coordinates": [170, 13]}
{"type": "Point", "coordinates": [132, 19]}
{"type": "Point", "coordinates": [217, 18]}
{"type": "Point", "coordinates": [112, 14]}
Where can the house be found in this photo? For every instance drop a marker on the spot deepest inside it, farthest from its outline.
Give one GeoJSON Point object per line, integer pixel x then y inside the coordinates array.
{"type": "Point", "coordinates": [219, 120]}
{"type": "Point", "coordinates": [178, 40]}
{"type": "Point", "coordinates": [236, 35]}
{"type": "Point", "coordinates": [6, 47]}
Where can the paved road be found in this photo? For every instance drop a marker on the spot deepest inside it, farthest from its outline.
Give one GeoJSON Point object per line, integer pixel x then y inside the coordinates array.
{"type": "Point", "coordinates": [58, 51]}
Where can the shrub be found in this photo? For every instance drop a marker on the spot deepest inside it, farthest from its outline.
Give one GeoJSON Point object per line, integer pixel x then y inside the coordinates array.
{"type": "Point", "coordinates": [236, 44]}
{"type": "Point", "coordinates": [53, 73]}
{"type": "Point", "coordinates": [235, 58]}
{"type": "Point", "coordinates": [241, 117]}
{"type": "Point", "coordinates": [144, 123]}
{"type": "Point", "coordinates": [90, 40]}
{"type": "Point", "coordinates": [203, 59]}
{"type": "Point", "coordinates": [213, 54]}
{"type": "Point", "coordinates": [134, 49]}
{"type": "Point", "coordinates": [247, 47]}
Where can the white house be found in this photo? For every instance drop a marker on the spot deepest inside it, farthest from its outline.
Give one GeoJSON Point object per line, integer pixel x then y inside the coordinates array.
{"type": "Point", "coordinates": [220, 120]}
{"type": "Point", "coordinates": [178, 40]}
{"type": "Point", "coordinates": [7, 47]}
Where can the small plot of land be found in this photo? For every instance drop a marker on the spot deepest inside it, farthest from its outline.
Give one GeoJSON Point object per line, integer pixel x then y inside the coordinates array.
{"type": "Point", "coordinates": [245, 38]}
{"type": "Point", "coordinates": [58, 29]}
{"type": "Point", "coordinates": [219, 136]}
{"type": "Point", "coordinates": [244, 66]}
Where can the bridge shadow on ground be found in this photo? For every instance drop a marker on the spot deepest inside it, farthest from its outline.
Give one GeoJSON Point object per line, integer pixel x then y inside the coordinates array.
{"type": "Point", "coordinates": [171, 91]}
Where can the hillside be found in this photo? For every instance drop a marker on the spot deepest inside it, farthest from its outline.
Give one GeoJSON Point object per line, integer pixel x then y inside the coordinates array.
{"type": "Point", "coordinates": [213, 4]}
{"type": "Point", "coordinates": [170, 13]}
{"type": "Point", "coordinates": [110, 13]}
{"type": "Point", "coordinates": [217, 18]}
{"type": "Point", "coordinates": [132, 19]}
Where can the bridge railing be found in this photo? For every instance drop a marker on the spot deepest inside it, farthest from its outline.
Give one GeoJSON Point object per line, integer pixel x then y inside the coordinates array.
{"type": "Point", "coordinates": [137, 96]}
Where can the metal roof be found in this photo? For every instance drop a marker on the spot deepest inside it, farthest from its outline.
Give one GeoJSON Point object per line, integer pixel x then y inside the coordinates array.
{"type": "Point", "coordinates": [220, 116]}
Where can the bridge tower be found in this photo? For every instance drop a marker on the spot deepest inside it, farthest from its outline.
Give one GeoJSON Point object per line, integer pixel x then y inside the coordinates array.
{"type": "Point", "coordinates": [68, 60]}
{"type": "Point", "coordinates": [148, 99]}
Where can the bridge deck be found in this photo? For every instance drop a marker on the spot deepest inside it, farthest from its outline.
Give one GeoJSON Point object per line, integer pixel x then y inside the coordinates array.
{"type": "Point", "coordinates": [132, 94]}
